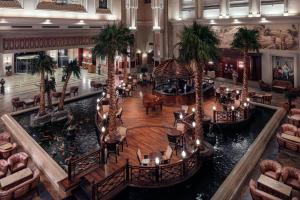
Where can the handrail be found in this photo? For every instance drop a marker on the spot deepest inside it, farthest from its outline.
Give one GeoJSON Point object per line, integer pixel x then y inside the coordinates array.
{"type": "Point", "coordinates": [233, 116]}
{"type": "Point", "coordinates": [80, 166]}
{"type": "Point", "coordinates": [147, 176]}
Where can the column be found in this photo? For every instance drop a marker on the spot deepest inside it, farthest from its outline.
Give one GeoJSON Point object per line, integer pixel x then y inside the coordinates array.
{"type": "Point", "coordinates": [250, 14]}
{"type": "Point", "coordinates": [199, 9]}
{"type": "Point", "coordinates": [131, 13]}
{"type": "Point", "coordinates": [2, 71]}
{"type": "Point", "coordinates": [286, 7]}
{"type": "Point", "coordinates": [158, 28]}
{"type": "Point", "coordinates": [158, 45]}
{"type": "Point", "coordinates": [224, 9]}
{"type": "Point", "coordinates": [258, 7]}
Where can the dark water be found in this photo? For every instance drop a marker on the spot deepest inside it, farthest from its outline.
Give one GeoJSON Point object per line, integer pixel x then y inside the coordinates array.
{"type": "Point", "coordinates": [230, 146]}
{"type": "Point", "coordinates": [53, 138]}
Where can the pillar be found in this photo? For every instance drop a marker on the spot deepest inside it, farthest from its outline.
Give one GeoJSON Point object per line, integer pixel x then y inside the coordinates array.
{"type": "Point", "coordinates": [286, 7]}
{"type": "Point", "coordinates": [2, 70]}
{"type": "Point", "coordinates": [158, 28]}
{"type": "Point", "coordinates": [131, 13]}
{"type": "Point", "coordinates": [250, 14]}
{"type": "Point", "coordinates": [224, 8]}
{"type": "Point", "coordinates": [258, 7]}
{"type": "Point", "coordinates": [199, 9]}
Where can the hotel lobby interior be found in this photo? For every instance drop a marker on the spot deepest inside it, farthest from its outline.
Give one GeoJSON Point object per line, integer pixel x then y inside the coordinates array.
{"type": "Point", "coordinates": [149, 99]}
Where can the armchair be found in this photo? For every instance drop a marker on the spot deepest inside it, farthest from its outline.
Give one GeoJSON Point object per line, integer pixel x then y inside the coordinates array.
{"type": "Point", "coordinates": [3, 168]}
{"type": "Point", "coordinates": [271, 169]}
{"type": "Point", "coordinates": [291, 177]}
{"type": "Point", "coordinates": [18, 161]}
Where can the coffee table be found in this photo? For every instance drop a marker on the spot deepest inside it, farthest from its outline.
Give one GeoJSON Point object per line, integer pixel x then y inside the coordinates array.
{"type": "Point", "coordinates": [16, 179]}
{"type": "Point", "coordinates": [274, 187]}
{"type": "Point", "coordinates": [290, 137]}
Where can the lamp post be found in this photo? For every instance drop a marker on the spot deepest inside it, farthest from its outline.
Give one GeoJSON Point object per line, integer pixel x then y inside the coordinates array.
{"type": "Point", "coordinates": [157, 161]}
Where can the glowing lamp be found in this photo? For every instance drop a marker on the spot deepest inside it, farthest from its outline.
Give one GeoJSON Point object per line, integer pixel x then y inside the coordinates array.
{"type": "Point", "coordinates": [183, 154]}
{"type": "Point", "coordinates": [157, 161]}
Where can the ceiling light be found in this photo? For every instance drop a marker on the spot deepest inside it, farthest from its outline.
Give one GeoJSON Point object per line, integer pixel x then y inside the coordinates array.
{"type": "Point", "coordinates": [263, 19]}
{"type": "Point", "coordinates": [3, 21]}
{"type": "Point", "coordinates": [81, 22]}
{"type": "Point", "coordinates": [47, 21]}
{"type": "Point", "coordinates": [212, 21]}
{"type": "Point", "coordinates": [236, 21]}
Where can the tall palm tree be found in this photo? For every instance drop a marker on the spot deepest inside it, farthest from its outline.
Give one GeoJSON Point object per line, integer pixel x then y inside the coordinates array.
{"type": "Point", "coordinates": [71, 68]}
{"type": "Point", "coordinates": [41, 65]}
{"type": "Point", "coordinates": [246, 40]}
{"type": "Point", "coordinates": [112, 40]}
{"type": "Point", "coordinates": [198, 45]}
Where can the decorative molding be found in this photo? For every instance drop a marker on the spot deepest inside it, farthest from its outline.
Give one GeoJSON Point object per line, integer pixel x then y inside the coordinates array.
{"type": "Point", "coordinates": [45, 42]}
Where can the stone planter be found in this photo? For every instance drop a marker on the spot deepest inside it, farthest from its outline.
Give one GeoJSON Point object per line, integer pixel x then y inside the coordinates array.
{"type": "Point", "coordinates": [38, 121]}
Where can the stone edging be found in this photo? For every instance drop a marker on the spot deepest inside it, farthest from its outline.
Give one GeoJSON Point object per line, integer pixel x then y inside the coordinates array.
{"type": "Point", "coordinates": [231, 187]}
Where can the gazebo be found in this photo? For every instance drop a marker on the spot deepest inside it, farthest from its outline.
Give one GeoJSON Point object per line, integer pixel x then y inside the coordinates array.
{"type": "Point", "coordinates": [174, 83]}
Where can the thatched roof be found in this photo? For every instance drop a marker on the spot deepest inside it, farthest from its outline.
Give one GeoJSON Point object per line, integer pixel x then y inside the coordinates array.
{"type": "Point", "coordinates": [172, 69]}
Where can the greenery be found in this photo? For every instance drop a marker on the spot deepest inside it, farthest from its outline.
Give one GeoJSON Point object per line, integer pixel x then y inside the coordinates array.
{"type": "Point", "coordinates": [290, 96]}
{"type": "Point", "coordinates": [41, 65]}
{"type": "Point", "coordinates": [71, 68]}
{"type": "Point", "coordinates": [198, 45]}
{"type": "Point", "coordinates": [246, 40]}
{"type": "Point", "coordinates": [113, 40]}
{"type": "Point", "coordinates": [8, 68]}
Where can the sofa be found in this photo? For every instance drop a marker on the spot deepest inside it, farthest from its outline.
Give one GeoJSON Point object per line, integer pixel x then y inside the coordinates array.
{"type": "Point", "coordinates": [22, 189]}
{"type": "Point", "coordinates": [264, 86]}
{"type": "Point", "coordinates": [295, 111]}
{"type": "Point", "coordinates": [289, 129]}
{"type": "Point", "coordinates": [271, 169]}
{"type": "Point", "coordinates": [17, 162]}
{"type": "Point", "coordinates": [281, 86]}
{"type": "Point", "coordinates": [291, 176]}
{"type": "Point", "coordinates": [5, 153]}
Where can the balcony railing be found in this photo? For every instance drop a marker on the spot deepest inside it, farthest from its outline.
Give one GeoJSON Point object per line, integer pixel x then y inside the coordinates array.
{"type": "Point", "coordinates": [68, 5]}
{"type": "Point", "coordinates": [11, 3]}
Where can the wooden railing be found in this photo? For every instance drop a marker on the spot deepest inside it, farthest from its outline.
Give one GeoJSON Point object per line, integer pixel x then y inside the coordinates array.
{"type": "Point", "coordinates": [81, 166]}
{"type": "Point", "coordinates": [233, 116]}
{"type": "Point", "coordinates": [147, 177]}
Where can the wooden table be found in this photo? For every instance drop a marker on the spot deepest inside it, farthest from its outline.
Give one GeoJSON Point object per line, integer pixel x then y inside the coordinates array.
{"type": "Point", "coordinates": [290, 137]}
{"type": "Point", "coordinates": [274, 187]}
{"type": "Point", "coordinates": [28, 102]}
{"type": "Point", "coordinates": [16, 179]}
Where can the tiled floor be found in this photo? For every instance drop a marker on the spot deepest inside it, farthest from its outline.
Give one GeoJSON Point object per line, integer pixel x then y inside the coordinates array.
{"type": "Point", "coordinates": [25, 86]}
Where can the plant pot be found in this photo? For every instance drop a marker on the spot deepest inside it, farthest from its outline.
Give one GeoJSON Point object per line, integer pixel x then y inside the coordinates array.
{"type": "Point", "coordinates": [8, 73]}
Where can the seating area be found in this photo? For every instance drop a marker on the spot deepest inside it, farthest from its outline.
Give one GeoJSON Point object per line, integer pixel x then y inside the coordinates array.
{"type": "Point", "coordinates": [275, 182]}
{"type": "Point", "coordinates": [17, 179]}
{"type": "Point", "coordinates": [281, 86]}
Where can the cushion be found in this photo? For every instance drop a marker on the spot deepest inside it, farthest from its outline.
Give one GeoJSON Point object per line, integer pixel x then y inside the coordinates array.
{"type": "Point", "coordinates": [294, 183]}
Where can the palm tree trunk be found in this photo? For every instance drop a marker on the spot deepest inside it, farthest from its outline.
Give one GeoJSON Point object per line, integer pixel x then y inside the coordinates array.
{"type": "Point", "coordinates": [63, 93]}
{"type": "Point", "coordinates": [199, 102]}
{"type": "Point", "coordinates": [112, 128]}
{"type": "Point", "coordinates": [245, 78]}
{"type": "Point", "coordinates": [125, 69]}
{"type": "Point", "coordinates": [42, 109]}
{"type": "Point", "coordinates": [49, 99]}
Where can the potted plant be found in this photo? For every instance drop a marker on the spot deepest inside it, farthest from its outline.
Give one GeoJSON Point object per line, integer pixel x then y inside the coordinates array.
{"type": "Point", "coordinates": [8, 70]}
{"type": "Point", "coordinates": [290, 96]}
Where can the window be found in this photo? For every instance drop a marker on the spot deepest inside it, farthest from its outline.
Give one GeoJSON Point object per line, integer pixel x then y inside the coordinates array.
{"type": "Point", "coordinates": [103, 4]}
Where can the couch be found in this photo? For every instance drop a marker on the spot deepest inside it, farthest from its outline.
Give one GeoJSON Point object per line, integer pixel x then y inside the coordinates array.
{"type": "Point", "coordinates": [295, 111]}
{"type": "Point", "coordinates": [17, 162]}
{"type": "Point", "coordinates": [291, 177]}
{"type": "Point", "coordinates": [22, 189]}
{"type": "Point", "coordinates": [258, 194]}
{"type": "Point", "coordinates": [281, 86]}
{"type": "Point", "coordinates": [5, 153]}
{"type": "Point", "coordinates": [271, 169]}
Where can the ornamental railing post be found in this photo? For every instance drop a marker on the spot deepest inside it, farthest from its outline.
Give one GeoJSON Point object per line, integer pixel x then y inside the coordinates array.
{"type": "Point", "coordinates": [157, 173]}
{"type": "Point", "coordinates": [127, 170]}
{"type": "Point", "coordinates": [183, 166]}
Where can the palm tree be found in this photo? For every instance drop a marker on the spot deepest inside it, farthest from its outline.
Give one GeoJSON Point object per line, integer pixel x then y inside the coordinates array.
{"type": "Point", "coordinates": [198, 45]}
{"type": "Point", "coordinates": [110, 41]}
{"type": "Point", "coordinates": [246, 40]}
{"type": "Point", "coordinates": [71, 68]}
{"type": "Point", "coordinates": [43, 64]}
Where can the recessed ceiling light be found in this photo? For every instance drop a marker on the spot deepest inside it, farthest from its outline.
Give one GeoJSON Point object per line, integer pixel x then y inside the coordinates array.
{"type": "Point", "coordinates": [212, 21]}
{"type": "Point", "coordinates": [47, 21]}
{"type": "Point", "coordinates": [81, 22]}
{"type": "Point", "coordinates": [263, 19]}
{"type": "Point", "coordinates": [3, 21]}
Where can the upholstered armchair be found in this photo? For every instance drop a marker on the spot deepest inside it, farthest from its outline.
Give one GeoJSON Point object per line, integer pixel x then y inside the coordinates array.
{"type": "Point", "coordinates": [3, 168]}
{"type": "Point", "coordinates": [5, 137]}
{"type": "Point", "coordinates": [291, 177]}
{"type": "Point", "coordinates": [289, 129]}
{"type": "Point", "coordinates": [18, 162]}
{"type": "Point", "coordinates": [271, 169]}
{"type": "Point", "coordinates": [5, 153]}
